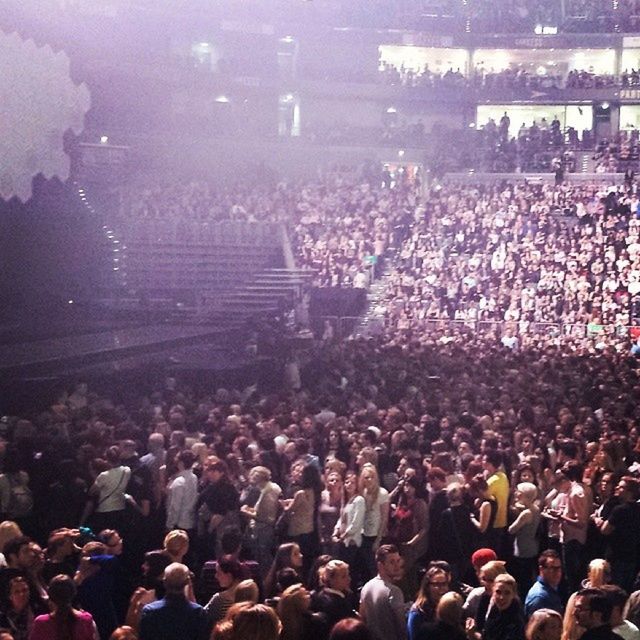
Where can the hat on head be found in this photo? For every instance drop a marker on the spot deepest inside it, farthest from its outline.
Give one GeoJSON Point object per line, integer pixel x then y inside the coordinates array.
{"type": "Point", "coordinates": [480, 557]}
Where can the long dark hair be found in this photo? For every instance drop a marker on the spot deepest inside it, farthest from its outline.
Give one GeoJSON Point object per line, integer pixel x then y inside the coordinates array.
{"type": "Point", "coordinates": [311, 480]}
{"type": "Point", "coordinates": [281, 560]}
{"type": "Point", "coordinates": [62, 591]}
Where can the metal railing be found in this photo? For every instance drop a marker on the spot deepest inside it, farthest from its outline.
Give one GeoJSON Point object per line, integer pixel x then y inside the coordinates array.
{"type": "Point", "coordinates": [340, 327]}
{"type": "Point", "coordinates": [501, 328]}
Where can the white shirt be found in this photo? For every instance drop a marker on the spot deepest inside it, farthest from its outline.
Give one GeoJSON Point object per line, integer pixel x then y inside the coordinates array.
{"type": "Point", "coordinates": [182, 495]}
{"type": "Point", "coordinates": [372, 516]}
{"type": "Point", "coordinates": [112, 485]}
{"type": "Point", "coordinates": [350, 522]}
{"type": "Point", "coordinates": [627, 630]}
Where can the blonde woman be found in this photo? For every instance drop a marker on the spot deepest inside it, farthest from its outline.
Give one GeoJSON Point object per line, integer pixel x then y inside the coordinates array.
{"type": "Point", "coordinates": [598, 575]}
{"type": "Point", "coordinates": [376, 516]}
{"type": "Point", "coordinates": [330, 509]}
{"type": "Point", "coordinates": [258, 622]}
{"type": "Point", "coordinates": [348, 530]}
{"type": "Point", "coordinates": [334, 599]}
{"type": "Point", "coordinates": [525, 531]}
{"type": "Point", "coordinates": [297, 621]}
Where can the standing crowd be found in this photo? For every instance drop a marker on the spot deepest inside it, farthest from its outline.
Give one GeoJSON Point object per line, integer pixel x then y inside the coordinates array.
{"type": "Point", "coordinates": [425, 483]}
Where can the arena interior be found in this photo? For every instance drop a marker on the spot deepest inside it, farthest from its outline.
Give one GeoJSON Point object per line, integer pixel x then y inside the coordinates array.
{"type": "Point", "coordinates": [320, 320]}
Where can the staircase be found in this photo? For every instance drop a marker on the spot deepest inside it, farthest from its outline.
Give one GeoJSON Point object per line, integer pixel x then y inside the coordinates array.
{"type": "Point", "coordinates": [371, 323]}
{"type": "Point", "coordinates": [585, 162]}
{"type": "Point", "coordinates": [268, 292]}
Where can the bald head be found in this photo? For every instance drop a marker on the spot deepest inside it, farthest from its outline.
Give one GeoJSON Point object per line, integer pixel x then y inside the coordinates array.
{"type": "Point", "coordinates": [156, 442]}
{"type": "Point", "coordinates": [176, 578]}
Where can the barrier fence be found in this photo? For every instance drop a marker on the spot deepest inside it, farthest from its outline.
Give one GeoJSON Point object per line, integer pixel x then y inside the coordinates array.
{"type": "Point", "coordinates": [343, 326]}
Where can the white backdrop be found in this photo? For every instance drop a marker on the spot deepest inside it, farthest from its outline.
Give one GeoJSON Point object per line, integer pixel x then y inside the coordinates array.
{"type": "Point", "coordinates": [38, 103]}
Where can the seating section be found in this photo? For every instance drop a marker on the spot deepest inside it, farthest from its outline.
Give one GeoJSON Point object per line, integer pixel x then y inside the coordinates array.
{"type": "Point", "coordinates": [194, 256]}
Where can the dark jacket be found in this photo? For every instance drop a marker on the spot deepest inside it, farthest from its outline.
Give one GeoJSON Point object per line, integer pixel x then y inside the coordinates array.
{"type": "Point", "coordinates": [437, 631]}
{"type": "Point", "coordinates": [332, 606]}
{"type": "Point", "coordinates": [504, 625]}
{"type": "Point", "coordinates": [174, 618]}
{"type": "Point", "coordinates": [601, 633]}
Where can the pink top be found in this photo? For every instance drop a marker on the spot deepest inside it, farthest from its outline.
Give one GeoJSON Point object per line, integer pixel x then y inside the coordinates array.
{"type": "Point", "coordinates": [84, 628]}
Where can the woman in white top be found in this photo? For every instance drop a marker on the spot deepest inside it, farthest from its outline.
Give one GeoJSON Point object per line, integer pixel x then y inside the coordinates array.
{"type": "Point", "coordinates": [376, 516]}
{"type": "Point", "coordinates": [109, 490]}
{"type": "Point", "coordinates": [348, 529]}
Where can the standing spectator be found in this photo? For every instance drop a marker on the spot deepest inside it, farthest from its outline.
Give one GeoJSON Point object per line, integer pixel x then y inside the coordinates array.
{"type": "Point", "coordinates": [544, 593]}
{"type": "Point", "coordinates": [544, 624]}
{"type": "Point", "coordinates": [478, 608]}
{"type": "Point", "coordinates": [182, 495]}
{"type": "Point", "coordinates": [95, 580]}
{"type": "Point", "coordinates": [174, 617]}
{"type": "Point", "coordinates": [478, 560]}
{"type": "Point", "coordinates": [16, 612]}
{"type": "Point", "coordinates": [335, 599]}
{"type": "Point", "coordinates": [381, 602]}
{"type": "Point", "coordinates": [498, 487]}
{"type": "Point", "coordinates": [303, 510]}
{"type": "Point", "coordinates": [485, 510]}
{"type": "Point", "coordinates": [435, 584]}
{"type": "Point", "coordinates": [504, 619]}
{"type": "Point", "coordinates": [297, 620]}
{"type": "Point", "coordinates": [64, 622]}
{"type": "Point", "coordinates": [288, 556]}
{"type": "Point", "coordinates": [151, 589]}
{"type": "Point", "coordinates": [574, 523]}
{"type": "Point", "coordinates": [348, 529]}
{"type": "Point", "coordinates": [229, 574]}
{"type": "Point", "coordinates": [262, 516]}
{"type": "Point", "coordinates": [218, 507]}
{"type": "Point", "coordinates": [376, 516]}
{"type": "Point", "coordinates": [259, 622]}
{"type": "Point", "coordinates": [621, 529]}
{"type": "Point", "coordinates": [624, 628]}
{"type": "Point", "coordinates": [448, 624]}
{"type": "Point", "coordinates": [16, 499]}
{"type": "Point", "coordinates": [593, 612]}
{"type": "Point", "coordinates": [109, 490]}
{"type": "Point", "coordinates": [525, 530]}
{"type": "Point", "coordinates": [438, 503]}
{"type": "Point", "coordinates": [457, 533]}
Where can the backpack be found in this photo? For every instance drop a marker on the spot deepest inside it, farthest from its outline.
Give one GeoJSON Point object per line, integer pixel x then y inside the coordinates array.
{"type": "Point", "coordinates": [21, 498]}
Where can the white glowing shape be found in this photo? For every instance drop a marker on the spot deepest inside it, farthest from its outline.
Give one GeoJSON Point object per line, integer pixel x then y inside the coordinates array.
{"type": "Point", "coordinates": [39, 105]}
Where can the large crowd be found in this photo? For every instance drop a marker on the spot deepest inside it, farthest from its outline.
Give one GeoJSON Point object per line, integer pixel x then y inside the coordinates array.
{"type": "Point", "coordinates": [426, 482]}
{"type": "Point", "coordinates": [336, 222]}
{"type": "Point", "coordinates": [412, 487]}
{"type": "Point", "coordinates": [527, 253]}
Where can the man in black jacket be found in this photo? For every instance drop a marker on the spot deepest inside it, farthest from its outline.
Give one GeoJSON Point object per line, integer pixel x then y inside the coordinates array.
{"type": "Point", "coordinates": [593, 612]}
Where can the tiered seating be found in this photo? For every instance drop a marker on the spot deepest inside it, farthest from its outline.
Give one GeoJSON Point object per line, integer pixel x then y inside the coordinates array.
{"type": "Point", "coordinates": [192, 256]}
{"type": "Point", "coordinates": [268, 291]}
